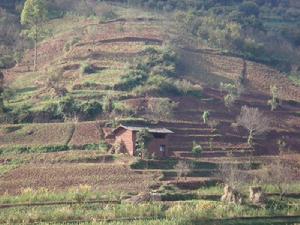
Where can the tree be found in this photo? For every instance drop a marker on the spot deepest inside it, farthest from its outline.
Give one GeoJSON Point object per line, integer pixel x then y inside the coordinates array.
{"type": "Point", "coordinates": [281, 174]}
{"type": "Point", "coordinates": [1, 92]}
{"type": "Point", "coordinates": [234, 178]}
{"type": "Point", "coordinates": [143, 139]}
{"type": "Point", "coordinates": [33, 16]}
{"type": "Point", "coordinates": [254, 121]}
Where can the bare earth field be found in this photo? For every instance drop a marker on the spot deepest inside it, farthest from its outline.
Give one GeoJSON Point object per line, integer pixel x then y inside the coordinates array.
{"type": "Point", "coordinates": [102, 177]}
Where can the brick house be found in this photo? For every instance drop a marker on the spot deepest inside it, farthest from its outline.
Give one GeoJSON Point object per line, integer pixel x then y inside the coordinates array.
{"type": "Point", "coordinates": [158, 145]}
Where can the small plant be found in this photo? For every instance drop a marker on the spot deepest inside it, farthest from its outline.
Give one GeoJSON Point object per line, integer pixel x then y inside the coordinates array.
{"type": "Point", "coordinates": [281, 143]}
{"type": "Point", "coordinates": [197, 149]}
{"type": "Point", "coordinates": [205, 117]}
{"type": "Point", "coordinates": [274, 102]}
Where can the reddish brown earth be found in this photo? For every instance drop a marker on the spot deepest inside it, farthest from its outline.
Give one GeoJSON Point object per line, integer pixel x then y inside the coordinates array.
{"type": "Point", "coordinates": [102, 177]}
{"type": "Point", "coordinates": [85, 133]}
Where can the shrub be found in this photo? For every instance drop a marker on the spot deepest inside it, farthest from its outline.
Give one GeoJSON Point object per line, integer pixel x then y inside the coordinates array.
{"type": "Point", "coordinates": [68, 107]}
{"type": "Point", "coordinates": [205, 117]}
{"type": "Point", "coordinates": [162, 108]}
{"type": "Point", "coordinates": [22, 113]}
{"type": "Point", "coordinates": [197, 148]}
{"type": "Point", "coordinates": [90, 109]}
{"type": "Point", "coordinates": [158, 85]}
{"type": "Point", "coordinates": [132, 79]}
{"type": "Point", "coordinates": [187, 88]}
{"type": "Point", "coordinates": [274, 102]}
{"type": "Point", "coordinates": [157, 62]}
{"type": "Point", "coordinates": [122, 109]}
{"type": "Point", "coordinates": [232, 94]}
{"type": "Point", "coordinates": [52, 109]}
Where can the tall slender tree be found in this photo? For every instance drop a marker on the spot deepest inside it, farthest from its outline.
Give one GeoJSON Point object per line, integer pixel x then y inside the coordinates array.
{"type": "Point", "coordinates": [1, 92]}
{"type": "Point", "coordinates": [33, 17]}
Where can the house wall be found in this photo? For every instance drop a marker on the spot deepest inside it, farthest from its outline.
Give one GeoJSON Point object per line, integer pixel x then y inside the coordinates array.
{"type": "Point", "coordinates": [128, 138]}
{"type": "Point", "coordinates": [155, 144]}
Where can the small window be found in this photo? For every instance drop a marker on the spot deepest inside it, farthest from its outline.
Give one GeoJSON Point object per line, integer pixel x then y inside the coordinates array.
{"type": "Point", "coordinates": [162, 148]}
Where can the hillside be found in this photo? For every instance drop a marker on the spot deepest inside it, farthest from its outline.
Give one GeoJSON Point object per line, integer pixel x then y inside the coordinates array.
{"type": "Point", "coordinates": [189, 66]}
{"type": "Point", "coordinates": [88, 60]}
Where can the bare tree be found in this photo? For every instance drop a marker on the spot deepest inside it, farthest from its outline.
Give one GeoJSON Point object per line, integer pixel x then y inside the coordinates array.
{"type": "Point", "coordinates": [254, 121]}
{"type": "Point", "coordinates": [234, 178]}
{"type": "Point", "coordinates": [281, 174]}
{"type": "Point", "coordinates": [1, 91]}
{"type": "Point", "coordinates": [182, 168]}
{"type": "Point", "coordinates": [232, 175]}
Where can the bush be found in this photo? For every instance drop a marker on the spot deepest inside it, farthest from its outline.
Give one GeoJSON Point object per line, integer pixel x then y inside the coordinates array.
{"type": "Point", "coordinates": [21, 113]}
{"type": "Point", "coordinates": [197, 148]}
{"type": "Point", "coordinates": [68, 107]}
{"type": "Point", "coordinates": [131, 80]}
{"type": "Point", "coordinates": [90, 109]}
{"type": "Point", "coordinates": [53, 110]}
{"type": "Point", "coordinates": [122, 109]}
{"type": "Point", "coordinates": [158, 85]}
{"type": "Point", "coordinates": [162, 108]}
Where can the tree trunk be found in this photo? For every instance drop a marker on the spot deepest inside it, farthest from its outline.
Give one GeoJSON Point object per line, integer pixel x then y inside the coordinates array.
{"type": "Point", "coordinates": [250, 138]}
{"type": "Point", "coordinates": [35, 56]}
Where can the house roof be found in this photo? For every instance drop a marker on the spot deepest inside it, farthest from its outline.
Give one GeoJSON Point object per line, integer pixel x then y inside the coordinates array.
{"type": "Point", "coordinates": [158, 130]}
